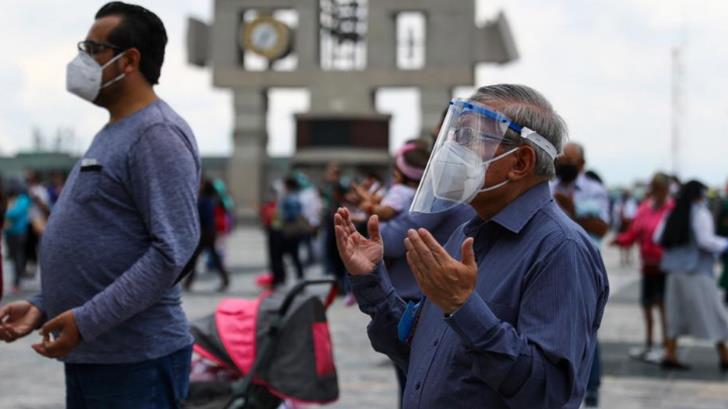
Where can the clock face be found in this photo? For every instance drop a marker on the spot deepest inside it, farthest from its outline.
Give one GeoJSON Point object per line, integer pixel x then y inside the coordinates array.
{"type": "Point", "coordinates": [264, 36]}
{"type": "Point", "coordinates": [267, 37]}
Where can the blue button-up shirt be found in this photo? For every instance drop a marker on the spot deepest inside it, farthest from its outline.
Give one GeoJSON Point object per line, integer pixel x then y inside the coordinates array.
{"type": "Point", "coordinates": [393, 232]}
{"type": "Point", "coordinates": [526, 335]}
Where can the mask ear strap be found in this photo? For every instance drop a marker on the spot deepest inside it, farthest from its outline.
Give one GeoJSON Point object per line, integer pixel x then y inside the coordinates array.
{"type": "Point", "coordinates": [118, 77]}
{"type": "Point", "coordinates": [503, 183]}
{"type": "Point", "coordinates": [501, 156]}
{"type": "Point", "coordinates": [494, 187]}
{"type": "Point", "coordinates": [113, 59]}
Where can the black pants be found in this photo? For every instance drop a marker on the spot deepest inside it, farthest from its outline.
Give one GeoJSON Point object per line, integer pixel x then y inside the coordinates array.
{"type": "Point", "coordinates": [16, 252]}
{"type": "Point", "coordinates": [308, 241]}
{"type": "Point", "coordinates": [279, 247]}
{"type": "Point", "coordinates": [275, 252]}
{"type": "Point", "coordinates": [207, 242]}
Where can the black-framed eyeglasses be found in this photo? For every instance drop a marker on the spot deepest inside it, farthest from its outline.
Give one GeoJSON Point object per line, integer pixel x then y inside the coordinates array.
{"type": "Point", "coordinates": [91, 47]}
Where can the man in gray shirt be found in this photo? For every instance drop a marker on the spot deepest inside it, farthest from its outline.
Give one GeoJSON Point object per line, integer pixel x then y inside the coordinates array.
{"type": "Point", "coordinates": [121, 233]}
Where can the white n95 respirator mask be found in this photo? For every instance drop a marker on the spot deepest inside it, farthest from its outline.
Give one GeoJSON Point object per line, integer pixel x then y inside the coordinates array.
{"type": "Point", "coordinates": [83, 76]}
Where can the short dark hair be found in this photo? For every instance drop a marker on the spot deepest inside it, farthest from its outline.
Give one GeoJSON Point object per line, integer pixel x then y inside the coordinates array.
{"type": "Point", "coordinates": [140, 29]}
{"type": "Point", "coordinates": [291, 184]}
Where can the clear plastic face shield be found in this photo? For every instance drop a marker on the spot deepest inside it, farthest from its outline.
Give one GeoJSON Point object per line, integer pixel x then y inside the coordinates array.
{"type": "Point", "coordinates": [469, 138]}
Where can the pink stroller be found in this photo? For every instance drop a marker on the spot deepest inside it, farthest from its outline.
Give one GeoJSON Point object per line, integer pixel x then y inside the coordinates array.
{"type": "Point", "coordinates": [253, 354]}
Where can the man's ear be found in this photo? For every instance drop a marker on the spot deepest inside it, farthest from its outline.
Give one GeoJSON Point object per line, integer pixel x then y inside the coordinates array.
{"type": "Point", "coordinates": [133, 58]}
{"type": "Point", "coordinates": [525, 163]}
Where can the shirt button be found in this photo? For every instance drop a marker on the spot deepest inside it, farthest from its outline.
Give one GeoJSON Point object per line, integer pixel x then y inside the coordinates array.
{"type": "Point", "coordinates": [418, 385]}
{"type": "Point", "coordinates": [435, 343]}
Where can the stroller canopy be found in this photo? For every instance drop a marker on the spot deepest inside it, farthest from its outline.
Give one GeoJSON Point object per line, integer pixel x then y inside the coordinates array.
{"type": "Point", "coordinates": [300, 365]}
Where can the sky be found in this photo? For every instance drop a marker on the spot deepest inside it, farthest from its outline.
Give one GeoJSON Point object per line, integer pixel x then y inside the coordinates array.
{"type": "Point", "coordinates": [605, 65]}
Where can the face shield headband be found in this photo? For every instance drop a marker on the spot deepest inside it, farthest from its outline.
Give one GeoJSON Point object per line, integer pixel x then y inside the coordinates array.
{"type": "Point", "coordinates": [524, 132]}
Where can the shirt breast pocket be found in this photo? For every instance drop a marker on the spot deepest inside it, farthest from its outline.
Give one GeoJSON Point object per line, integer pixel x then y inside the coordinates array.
{"type": "Point", "coordinates": [87, 184]}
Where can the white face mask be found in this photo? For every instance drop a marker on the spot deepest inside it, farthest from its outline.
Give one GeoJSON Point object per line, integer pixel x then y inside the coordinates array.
{"type": "Point", "coordinates": [458, 173]}
{"type": "Point", "coordinates": [83, 76]}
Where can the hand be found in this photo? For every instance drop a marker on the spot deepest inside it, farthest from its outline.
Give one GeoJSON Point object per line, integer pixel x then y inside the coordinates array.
{"type": "Point", "coordinates": [366, 207]}
{"type": "Point", "coordinates": [68, 336]}
{"type": "Point", "coordinates": [445, 281]}
{"type": "Point", "coordinates": [359, 254]}
{"type": "Point", "coordinates": [594, 226]}
{"type": "Point", "coordinates": [18, 319]}
{"type": "Point", "coordinates": [361, 193]}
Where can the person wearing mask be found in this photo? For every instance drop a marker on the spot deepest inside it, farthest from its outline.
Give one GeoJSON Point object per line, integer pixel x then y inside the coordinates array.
{"type": "Point", "coordinates": [641, 231]}
{"type": "Point", "coordinates": [409, 165]}
{"type": "Point", "coordinates": [294, 226]}
{"type": "Point", "coordinates": [15, 227]}
{"type": "Point", "coordinates": [333, 265]}
{"type": "Point", "coordinates": [586, 201]}
{"type": "Point", "coordinates": [312, 210]}
{"type": "Point", "coordinates": [37, 215]}
{"type": "Point", "coordinates": [623, 215]}
{"type": "Point", "coordinates": [110, 300]}
{"type": "Point", "coordinates": [224, 222]}
{"type": "Point", "coordinates": [514, 299]}
{"type": "Point", "coordinates": [441, 225]}
{"type": "Point", "coordinates": [692, 299]}
{"type": "Point", "coordinates": [267, 214]}
{"type": "Point", "coordinates": [206, 205]}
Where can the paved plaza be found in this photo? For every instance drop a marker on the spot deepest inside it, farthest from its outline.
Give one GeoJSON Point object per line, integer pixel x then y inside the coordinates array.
{"type": "Point", "coordinates": [28, 381]}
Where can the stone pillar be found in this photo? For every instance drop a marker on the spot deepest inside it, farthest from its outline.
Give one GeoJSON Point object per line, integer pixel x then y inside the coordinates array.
{"type": "Point", "coordinates": [307, 35]}
{"type": "Point", "coordinates": [246, 169]}
{"type": "Point", "coordinates": [381, 37]}
{"type": "Point", "coordinates": [433, 102]}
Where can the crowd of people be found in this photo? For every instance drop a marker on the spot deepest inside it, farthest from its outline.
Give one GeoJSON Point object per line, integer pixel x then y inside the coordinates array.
{"type": "Point", "coordinates": [25, 205]}
{"type": "Point", "coordinates": [298, 215]}
{"type": "Point", "coordinates": [680, 236]}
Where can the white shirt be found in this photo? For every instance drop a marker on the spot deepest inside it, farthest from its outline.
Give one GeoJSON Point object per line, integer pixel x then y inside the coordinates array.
{"type": "Point", "coordinates": [399, 197]}
{"type": "Point", "coordinates": [590, 197]}
{"type": "Point", "coordinates": [312, 205]}
{"type": "Point", "coordinates": [38, 192]}
{"type": "Point", "coordinates": [703, 230]}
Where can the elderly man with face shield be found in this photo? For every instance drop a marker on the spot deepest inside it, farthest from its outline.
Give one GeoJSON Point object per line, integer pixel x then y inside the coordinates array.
{"type": "Point", "coordinates": [514, 299]}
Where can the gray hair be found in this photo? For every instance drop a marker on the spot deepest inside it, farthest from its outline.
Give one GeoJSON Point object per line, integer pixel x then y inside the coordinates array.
{"type": "Point", "coordinates": [527, 107]}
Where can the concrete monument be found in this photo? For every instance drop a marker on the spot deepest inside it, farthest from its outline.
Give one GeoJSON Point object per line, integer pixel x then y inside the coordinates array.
{"type": "Point", "coordinates": [342, 51]}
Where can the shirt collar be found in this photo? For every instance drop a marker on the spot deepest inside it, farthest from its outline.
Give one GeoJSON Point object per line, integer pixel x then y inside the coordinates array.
{"type": "Point", "coordinates": [517, 213]}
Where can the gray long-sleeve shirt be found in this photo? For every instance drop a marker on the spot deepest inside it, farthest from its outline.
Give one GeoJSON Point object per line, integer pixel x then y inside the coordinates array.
{"type": "Point", "coordinates": [124, 227]}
